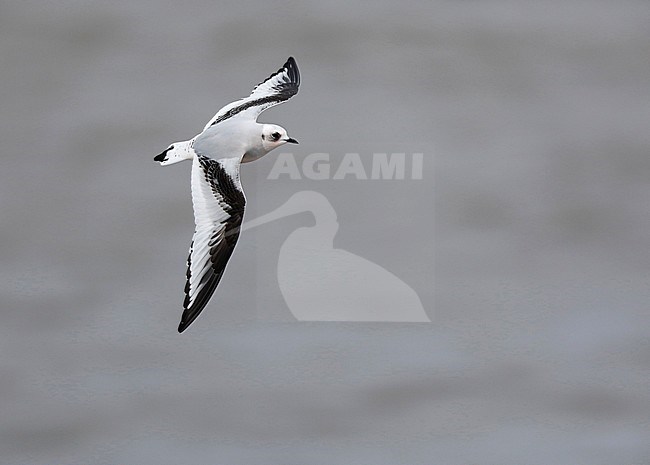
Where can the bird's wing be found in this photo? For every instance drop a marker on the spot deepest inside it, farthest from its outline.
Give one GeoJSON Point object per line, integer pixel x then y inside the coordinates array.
{"type": "Point", "coordinates": [277, 88]}
{"type": "Point", "coordinates": [218, 211]}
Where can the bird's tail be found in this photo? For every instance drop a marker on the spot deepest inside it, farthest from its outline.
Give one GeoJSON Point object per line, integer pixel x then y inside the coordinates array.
{"type": "Point", "coordinates": [176, 153]}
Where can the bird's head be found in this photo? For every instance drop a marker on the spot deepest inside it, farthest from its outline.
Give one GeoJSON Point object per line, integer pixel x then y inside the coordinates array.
{"type": "Point", "coordinates": [274, 136]}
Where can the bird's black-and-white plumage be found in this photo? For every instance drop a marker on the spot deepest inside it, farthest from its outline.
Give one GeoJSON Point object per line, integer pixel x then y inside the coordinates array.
{"type": "Point", "coordinates": [217, 195]}
{"type": "Point", "coordinates": [218, 211]}
{"type": "Point", "coordinates": [277, 88]}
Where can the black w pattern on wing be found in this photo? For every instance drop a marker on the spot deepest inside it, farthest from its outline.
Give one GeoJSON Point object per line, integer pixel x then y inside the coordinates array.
{"type": "Point", "coordinates": [221, 241]}
{"type": "Point", "coordinates": [282, 91]}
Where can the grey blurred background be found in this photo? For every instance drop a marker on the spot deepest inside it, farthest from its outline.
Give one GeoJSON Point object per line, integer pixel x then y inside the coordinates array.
{"type": "Point", "coordinates": [526, 240]}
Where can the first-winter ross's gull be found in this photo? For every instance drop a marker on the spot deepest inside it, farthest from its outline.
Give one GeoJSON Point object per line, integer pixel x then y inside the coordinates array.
{"type": "Point", "coordinates": [231, 137]}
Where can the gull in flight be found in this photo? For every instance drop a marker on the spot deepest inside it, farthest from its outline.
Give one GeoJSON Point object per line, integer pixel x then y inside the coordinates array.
{"type": "Point", "coordinates": [233, 136]}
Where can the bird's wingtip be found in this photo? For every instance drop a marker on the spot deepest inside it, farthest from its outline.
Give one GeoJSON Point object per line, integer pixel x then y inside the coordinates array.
{"type": "Point", "coordinates": [290, 63]}
{"type": "Point", "coordinates": [187, 320]}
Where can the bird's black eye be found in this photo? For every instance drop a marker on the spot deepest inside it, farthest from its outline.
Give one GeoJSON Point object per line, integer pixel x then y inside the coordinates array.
{"type": "Point", "coordinates": [275, 136]}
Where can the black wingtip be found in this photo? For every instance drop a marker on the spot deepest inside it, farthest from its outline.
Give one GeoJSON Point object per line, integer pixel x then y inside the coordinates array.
{"type": "Point", "coordinates": [292, 67]}
{"type": "Point", "coordinates": [185, 323]}
{"type": "Point", "coordinates": [187, 319]}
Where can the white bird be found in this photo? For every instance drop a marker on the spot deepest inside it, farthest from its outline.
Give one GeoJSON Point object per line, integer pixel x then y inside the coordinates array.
{"type": "Point", "coordinates": [233, 136]}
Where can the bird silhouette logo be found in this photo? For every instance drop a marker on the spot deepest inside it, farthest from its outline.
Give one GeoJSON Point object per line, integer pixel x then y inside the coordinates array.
{"type": "Point", "coordinates": [322, 283]}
